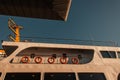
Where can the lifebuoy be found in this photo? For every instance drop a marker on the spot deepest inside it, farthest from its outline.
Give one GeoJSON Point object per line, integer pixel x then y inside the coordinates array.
{"type": "Point", "coordinates": [38, 60]}
{"type": "Point", "coordinates": [63, 60]}
{"type": "Point", "coordinates": [75, 60]}
{"type": "Point", "coordinates": [51, 60]}
{"type": "Point", "coordinates": [25, 59]}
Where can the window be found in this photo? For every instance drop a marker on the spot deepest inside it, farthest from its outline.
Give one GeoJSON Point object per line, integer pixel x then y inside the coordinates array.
{"type": "Point", "coordinates": [91, 76]}
{"type": "Point", "coordinates": [118, 54]}
{"type": "Point", "coordinates": [108, 54]}
{"type": "Point", "coordinates": [59, 76]}
{"type": "Point", "coordinates": [86, 56]}
{"type": "Point", "coordinates": [118, 77]}
{"type": "Point", "coordinates": [9, 50]}
{"type": "Point", "coordinates": [22, 76]}
{"type": "Point", "coordinates": [0, 74]}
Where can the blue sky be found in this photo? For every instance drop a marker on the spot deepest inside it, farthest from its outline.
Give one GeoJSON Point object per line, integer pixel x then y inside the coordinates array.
{"type": "Point", "coordinates": [88, 20]}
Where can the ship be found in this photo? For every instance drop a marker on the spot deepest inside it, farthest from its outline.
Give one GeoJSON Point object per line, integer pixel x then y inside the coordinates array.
{"type": "Point", "coordinates": [25, 60]}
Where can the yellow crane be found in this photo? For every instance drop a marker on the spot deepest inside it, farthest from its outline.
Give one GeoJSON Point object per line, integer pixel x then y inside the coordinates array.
{"type": "Point", "coordinates": [15, 29]}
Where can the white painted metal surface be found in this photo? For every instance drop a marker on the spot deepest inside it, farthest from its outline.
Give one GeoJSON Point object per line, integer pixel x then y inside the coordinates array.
{"type": "Point", "coordinates": [109, 66]}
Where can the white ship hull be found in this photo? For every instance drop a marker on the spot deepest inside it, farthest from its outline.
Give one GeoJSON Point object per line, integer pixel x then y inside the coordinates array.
{"type": "Point", "coordinates": [89, 64]}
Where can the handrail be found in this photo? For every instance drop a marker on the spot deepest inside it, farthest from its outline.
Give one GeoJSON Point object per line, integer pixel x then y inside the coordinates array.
{"type": "Point", "coordinates": [69, 41]}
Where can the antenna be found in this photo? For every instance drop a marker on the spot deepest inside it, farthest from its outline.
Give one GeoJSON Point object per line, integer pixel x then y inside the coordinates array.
{"type": "Point", "coordinates": [15, 29]}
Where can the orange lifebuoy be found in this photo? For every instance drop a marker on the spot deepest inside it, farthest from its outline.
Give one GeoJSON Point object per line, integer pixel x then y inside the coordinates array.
{"type": "Point", "coordinates": [51, 60]}
{"type": "Point", "coordinates": [63, 60]}
{"type": "Point", "coordinates": [75, 60]}
{"type": "Point", "coordinates": [25, 59]}
{"type": "Point", "coordinates": [38, 59]}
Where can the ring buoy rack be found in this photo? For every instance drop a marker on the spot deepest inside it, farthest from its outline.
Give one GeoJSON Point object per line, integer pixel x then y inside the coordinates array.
{"type": "Point", "coordinates": [38, 59]}
{"type": "Point", "coordinates": [25, 59]}
{"type": "Point", "coordinates": [75, 60]}
{"type": "Point", "coordinates": [63, 60]}
{"type": "Point", "coordinates": [51, 60]}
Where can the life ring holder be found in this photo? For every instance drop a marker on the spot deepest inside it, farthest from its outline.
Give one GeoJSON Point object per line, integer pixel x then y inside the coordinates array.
{"type": "Point", "coordinates": [75, 60]}
{"type": "Point", "coordinates": [51, 60]}
{"type": "Point", "coordinates": [25, 59]}
{"type": "Point", "coordinates": [63, 60]}
{"type": "Point", "coordinates": [38, 59]}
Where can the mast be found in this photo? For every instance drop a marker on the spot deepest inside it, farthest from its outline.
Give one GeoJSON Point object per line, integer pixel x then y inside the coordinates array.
{"type": "Point", "coordinates": [15, 29]}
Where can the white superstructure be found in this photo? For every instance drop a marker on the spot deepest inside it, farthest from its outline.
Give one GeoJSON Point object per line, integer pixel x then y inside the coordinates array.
{"type": "Point", "coordinates": [51, 61]}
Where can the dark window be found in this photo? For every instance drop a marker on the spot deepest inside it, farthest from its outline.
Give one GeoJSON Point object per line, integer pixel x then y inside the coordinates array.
{"type": "Point", "coordinates": [118, 77]}
{"type": "Point", "coordinates": [91, 76]}
{"type": "Point", "coordinates": [86, 56]}
{"type": "Point", "coordinates": [59, 76]}
{"type": "Point", "coordinates": [9, 49]}
{"type": "Point", "coordinates": [108, 54]}
{"type": "Point", "coordinates": [22, 76]}
{"type": "Point", "coordinates": [0, 74]}
{"type": "Point", "coordinates": [118, 54]}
